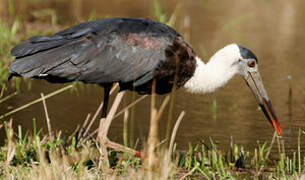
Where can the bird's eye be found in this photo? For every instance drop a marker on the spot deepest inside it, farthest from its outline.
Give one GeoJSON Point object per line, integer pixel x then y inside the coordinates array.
{"type": "Point", "coordinates": [251, 63]}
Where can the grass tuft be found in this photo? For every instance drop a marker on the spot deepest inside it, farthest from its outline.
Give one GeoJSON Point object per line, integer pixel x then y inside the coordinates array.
{"type": "Point", "coordinates": [32, 155]}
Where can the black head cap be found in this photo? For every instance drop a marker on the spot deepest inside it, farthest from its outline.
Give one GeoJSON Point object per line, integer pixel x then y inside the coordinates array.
{"type": "Point", "coordinates": [246, 53]}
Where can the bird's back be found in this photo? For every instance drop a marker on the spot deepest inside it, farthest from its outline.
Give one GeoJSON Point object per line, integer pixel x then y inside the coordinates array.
{"type": "Point", "coordinates": [125, 50]}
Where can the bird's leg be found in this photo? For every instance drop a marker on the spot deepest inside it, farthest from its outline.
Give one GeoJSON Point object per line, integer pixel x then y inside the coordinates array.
{"type": "Point", "coordinates": [119, 147]}
{"type": "Point", "coordinates": [104, 126]}
{"type": "Point", "coordinates": [107, 89]}
{"type": "Point", "coordinates": [103, 132]}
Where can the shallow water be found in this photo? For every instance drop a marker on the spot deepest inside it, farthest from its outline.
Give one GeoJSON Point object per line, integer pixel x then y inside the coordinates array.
{"type": "Point", "coordinates": [273, 29]}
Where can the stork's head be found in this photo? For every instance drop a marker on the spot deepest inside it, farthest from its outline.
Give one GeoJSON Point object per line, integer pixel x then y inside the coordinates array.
{"type": "Point", "coordinates": [246, 64]}
{"type": "Point", "coordinates": [223, 65]}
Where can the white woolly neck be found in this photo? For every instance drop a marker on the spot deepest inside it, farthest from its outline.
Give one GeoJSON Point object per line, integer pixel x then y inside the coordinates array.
{"type": "Point", "coordinates": [216, 73]}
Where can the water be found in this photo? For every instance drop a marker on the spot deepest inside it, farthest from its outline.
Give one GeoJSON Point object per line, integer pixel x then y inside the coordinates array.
{"type": "Point", "coordinates": [274, 30]}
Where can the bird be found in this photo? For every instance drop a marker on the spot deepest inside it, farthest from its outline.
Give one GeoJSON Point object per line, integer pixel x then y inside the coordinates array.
{"type": "Point", "coordinates": [136, 53]}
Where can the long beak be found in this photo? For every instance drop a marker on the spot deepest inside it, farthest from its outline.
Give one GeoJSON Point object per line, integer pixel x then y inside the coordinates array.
{"type": "Point", "coordinates": [254, 81]}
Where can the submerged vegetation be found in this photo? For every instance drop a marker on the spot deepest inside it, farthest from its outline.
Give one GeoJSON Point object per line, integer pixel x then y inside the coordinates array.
{"type": "Point", "coordinates": [33, 155]}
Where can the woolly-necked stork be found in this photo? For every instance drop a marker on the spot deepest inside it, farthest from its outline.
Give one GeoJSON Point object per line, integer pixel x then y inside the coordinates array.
{"type": "Point", "coordinates": [135, 52]}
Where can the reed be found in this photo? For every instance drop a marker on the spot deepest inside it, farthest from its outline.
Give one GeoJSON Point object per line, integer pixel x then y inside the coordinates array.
{"type": "Point", "coordinates": [34, 155]}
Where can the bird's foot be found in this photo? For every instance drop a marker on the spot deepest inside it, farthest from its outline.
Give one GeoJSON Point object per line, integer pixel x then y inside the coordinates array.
{"type": "Point", "coordinates": [118, 147]}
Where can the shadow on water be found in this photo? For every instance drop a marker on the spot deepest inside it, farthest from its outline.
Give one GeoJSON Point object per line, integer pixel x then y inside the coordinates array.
{"type": "Point", "coordinates": [274, 30]}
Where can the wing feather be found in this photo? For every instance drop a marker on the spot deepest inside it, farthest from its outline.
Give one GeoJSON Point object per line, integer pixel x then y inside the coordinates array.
{"type": "Point", "coordinates": [102, 51]}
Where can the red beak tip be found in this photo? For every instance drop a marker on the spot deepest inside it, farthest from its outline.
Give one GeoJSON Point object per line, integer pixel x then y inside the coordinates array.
{"type": "Point", "coordinates": [280, 131]}
{"type": "Point", "coordinates": [277, 127]}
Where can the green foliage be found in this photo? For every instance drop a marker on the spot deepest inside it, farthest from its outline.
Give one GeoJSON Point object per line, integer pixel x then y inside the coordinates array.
{"type": "Point", "coordinates": [12, 31]}
{"type": "Point", "coordinates": [92, 15]}
{"type": "Point", "coordinates": [158, 12]}
{"type": "Point", "coordinates": [214, 109]}
{"type": "Point", "coordinates": [47, 13]}
{"type": "Point", "coordinates": [36, 154]}
{"type": "Point", "coordinates": [8, 37]}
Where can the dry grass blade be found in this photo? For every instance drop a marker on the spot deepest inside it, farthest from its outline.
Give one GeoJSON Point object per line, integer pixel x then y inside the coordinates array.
{"type": "Point", "coordinates": [160, 143]}
{"type": "Point", "coordinates": [125, 128]}
{"type": "Point", "coordinates": [129, 106]}
{"type": "Point", "coordinates": [46, 114]}
{"type": "Point", "coordinates": [2, 91]}
{"type": "Point", "coordinates": [155, 116]}
{"type": "Point", "coordinates": [104, 128]}
{"type": "Point", "coordinates": [173, 17]}
{"type": "Point", "coordinates": [187, 28]}
{"type": "Point", "coordinates": [119, 113]}
{"type": "Point", "coordinates": [98, 111]}
{"type": "Point", "coordinates": [119, 147]}
{"type": "Point", "coordinates": [174, 133]}
{"type": "Point", "coordinates": [10, 147]}
{"type": "Point", "coordinates": [86, 121]}
{"type": "Point", "coordinates": [36, 101]}
{"type": "Point", "coordinates": [162, 107]}
{"type": "Point", "coordinates": [153, 132]}
{"type": "Point", "coordinates": [267, 155]}
{"type": "Point", "coordinates": [82, 130]}
{"type": "Point", "coordinates": [73, 134]}
{"type": "Point", "coordinates": [8, 97]}
{"type": "Point", "coordinates": [188, 173]}
{"type": "Point", "coordinates": [105, 125]}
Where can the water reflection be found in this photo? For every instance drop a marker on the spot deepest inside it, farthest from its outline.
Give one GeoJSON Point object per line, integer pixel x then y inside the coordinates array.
{"type": "Point", "coordinates": [274, 30]}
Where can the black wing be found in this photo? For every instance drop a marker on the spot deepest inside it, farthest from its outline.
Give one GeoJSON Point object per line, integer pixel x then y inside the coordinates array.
{"type": "Point", "coordinates": [100, 51]}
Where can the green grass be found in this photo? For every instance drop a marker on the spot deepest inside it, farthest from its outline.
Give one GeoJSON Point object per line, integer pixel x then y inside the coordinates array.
{"type": "Point", "coordinates": [8, 37]}
{"type": "Point", "coordinates": [12, 31]}
{"type": "Point", "coordinates": [33, 155]}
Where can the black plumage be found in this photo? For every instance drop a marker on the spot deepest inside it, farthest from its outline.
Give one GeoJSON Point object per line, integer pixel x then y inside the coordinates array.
{"type": "Point", "coordinates": [130, 51]}
{"type": "Point", "coordinates": [246, 53]}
